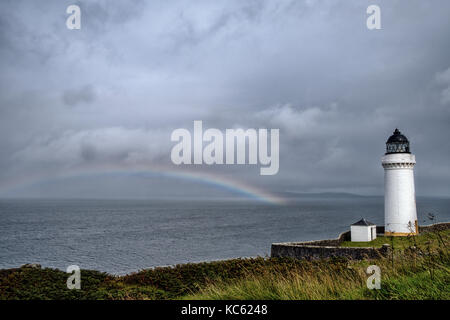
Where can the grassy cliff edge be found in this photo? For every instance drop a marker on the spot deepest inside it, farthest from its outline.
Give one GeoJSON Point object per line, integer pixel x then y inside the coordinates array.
{"type": "Point", "coordinates": [419, 268]}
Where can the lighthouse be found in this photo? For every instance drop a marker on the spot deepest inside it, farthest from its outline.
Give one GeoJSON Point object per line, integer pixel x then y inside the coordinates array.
{"type": "Point", "coordinates": [400, 214]}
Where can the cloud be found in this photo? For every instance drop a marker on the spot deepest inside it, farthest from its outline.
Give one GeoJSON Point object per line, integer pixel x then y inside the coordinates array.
{"type": "Point", "coordinates": [443, 78]}
{"type": "Point", "coordinates": [104, 145]}
{"type": "Point", "coordinates": [302, 123]}
{"type": "Point", "coordinates": [84, 94]}
{"type": "Point", "coordinates": [113, 91]}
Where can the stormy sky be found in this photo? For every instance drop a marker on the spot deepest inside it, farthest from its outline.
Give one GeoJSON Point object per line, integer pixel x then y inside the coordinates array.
{"type": "Point", "coordinates": [111, 93]}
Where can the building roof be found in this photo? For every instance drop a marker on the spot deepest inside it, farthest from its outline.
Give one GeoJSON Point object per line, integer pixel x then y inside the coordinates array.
{"type": "Point", "coordinates": [363, 222]}
{"type": "Point", "coordinates": [397, 137]}
{"type": "Point", "coordinates": [397, 143]}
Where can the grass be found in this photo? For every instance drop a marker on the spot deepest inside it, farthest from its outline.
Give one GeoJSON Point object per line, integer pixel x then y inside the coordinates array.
{"type": "Point", "coordinates": [404, 281]}
{"type": "Point", "coordinates": [419, 273]}
{"type": "Point", "coordinates": [418, 268]}
{"type": "Point", "coordinates": [424, 239]}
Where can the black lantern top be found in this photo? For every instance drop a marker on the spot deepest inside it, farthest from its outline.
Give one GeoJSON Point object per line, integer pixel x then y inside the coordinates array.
{"type": "Point", "coordinates": [397, 143]}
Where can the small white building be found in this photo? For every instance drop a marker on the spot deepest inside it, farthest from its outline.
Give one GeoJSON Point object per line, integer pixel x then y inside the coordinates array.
{"type": "Point", "coordinates": [363, 231]}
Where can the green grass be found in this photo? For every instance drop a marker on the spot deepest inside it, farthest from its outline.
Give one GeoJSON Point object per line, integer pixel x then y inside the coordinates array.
{"type": "Point", "coordinates": [425, 239]}
{"type": "Point", "coordinates": [411, 275]}
{"type": "Point", "coordinates": [295, 287]}
{"type": "Point", "coordinates": [27, 283]}
{"type": "Point", "coordinates": [422, 273]}
{"type": "Point", "coordinates": [418, 286]}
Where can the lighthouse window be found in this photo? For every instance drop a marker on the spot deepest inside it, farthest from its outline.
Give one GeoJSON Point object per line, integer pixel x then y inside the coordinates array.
{"type": "Point", "coordinates": [397, 148]}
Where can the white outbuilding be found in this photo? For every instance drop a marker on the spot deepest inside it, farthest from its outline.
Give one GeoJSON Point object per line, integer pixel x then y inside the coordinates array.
{"type": "Point", "coordinates": [363, 231]}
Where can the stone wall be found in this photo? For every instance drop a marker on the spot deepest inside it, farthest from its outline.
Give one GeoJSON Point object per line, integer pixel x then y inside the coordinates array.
{"type": "Point", "coordinates": [305, 250]}
{"type": "Point", "coordinates": [320, 249]}
{"type": "Point", "coordinates": [422, 229]}
{"type": "Point", "coordinates": [434, 227]}
{"type": "Point", "coordinates": [344, 236]}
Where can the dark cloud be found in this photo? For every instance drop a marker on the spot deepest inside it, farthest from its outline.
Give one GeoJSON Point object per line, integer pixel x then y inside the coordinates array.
{"type": "Point", "coordinates": [138, 70]}
{"type": "Point", "coordinates": [84, 94]}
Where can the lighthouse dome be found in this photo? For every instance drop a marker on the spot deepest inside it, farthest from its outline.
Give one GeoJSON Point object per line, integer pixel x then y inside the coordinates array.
{"type": "Point", "coordinates": [397, 143]}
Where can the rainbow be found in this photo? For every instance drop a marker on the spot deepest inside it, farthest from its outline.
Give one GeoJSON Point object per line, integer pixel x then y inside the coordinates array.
{"type": "Point", "coordinates": [214, 180]}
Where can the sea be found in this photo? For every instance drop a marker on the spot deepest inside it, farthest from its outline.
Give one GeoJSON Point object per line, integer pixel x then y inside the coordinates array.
{"type": "Point", "coordinates": [125, 236]}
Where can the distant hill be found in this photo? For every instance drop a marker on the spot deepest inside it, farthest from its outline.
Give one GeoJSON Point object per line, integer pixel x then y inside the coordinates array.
{"type": "Point", "coordinates": [322, 195]}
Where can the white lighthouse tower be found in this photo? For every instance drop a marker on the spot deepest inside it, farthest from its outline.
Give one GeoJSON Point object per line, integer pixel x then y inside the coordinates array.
{"type": "Point", "coordinates": [400, 215]}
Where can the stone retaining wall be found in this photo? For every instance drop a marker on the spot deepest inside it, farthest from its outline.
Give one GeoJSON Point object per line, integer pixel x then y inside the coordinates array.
{"type": "Point", "coordinates": [320, 249]}
{"type": "Point", "coordinates": [302, 251]}
{"type": "Point", "coordinates": [435, 227]}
